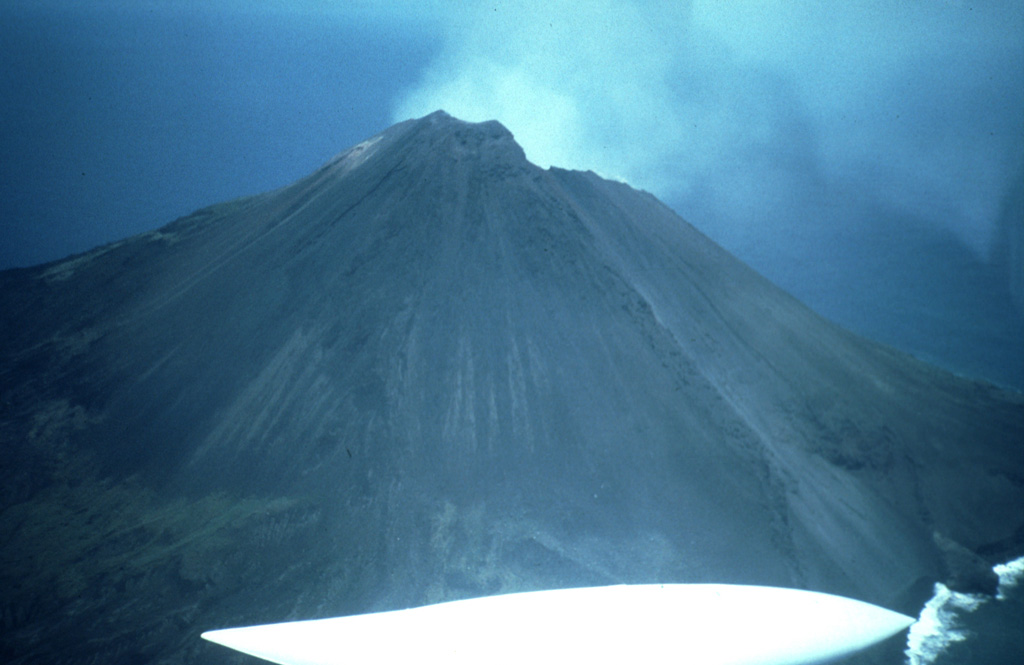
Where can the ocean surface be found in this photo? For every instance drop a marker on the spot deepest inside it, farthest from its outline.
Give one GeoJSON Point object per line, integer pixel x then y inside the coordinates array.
{"type": "Point", "coordinates": [970, 629]}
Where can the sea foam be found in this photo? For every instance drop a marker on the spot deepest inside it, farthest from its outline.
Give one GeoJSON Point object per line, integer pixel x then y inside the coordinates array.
{"type": "Point", "coordinates": [955, 626]}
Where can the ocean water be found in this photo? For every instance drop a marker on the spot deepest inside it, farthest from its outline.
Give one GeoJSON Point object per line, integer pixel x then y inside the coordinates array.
{"type": "Point", "coordinates": [970, 629]}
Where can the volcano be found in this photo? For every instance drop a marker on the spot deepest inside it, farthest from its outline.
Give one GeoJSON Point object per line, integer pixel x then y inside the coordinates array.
{"type": "Point", "coordinates": [431, 370]}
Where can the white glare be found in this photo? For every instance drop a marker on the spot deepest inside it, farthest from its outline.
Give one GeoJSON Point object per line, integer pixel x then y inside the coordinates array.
{"type": "Point", "coordinates": [713, 624]}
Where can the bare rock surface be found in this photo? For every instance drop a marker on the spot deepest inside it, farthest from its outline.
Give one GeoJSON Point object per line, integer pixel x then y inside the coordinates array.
{"type": "Point", "coordinates": [433, 370]}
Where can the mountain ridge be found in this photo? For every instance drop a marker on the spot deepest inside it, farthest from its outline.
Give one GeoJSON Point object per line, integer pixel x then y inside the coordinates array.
{"type": "Point", "coordinates": [435, 370]}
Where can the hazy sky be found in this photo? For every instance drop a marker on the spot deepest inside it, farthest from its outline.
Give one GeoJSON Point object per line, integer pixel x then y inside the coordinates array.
{"type": "Point", "coordinates": [757, 106]}
{"type": "Point", "coordinates": [788, 130]}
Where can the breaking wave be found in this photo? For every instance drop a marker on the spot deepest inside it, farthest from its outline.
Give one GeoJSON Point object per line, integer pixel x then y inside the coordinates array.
{"type": "Point", "coordinates": [966, 628]}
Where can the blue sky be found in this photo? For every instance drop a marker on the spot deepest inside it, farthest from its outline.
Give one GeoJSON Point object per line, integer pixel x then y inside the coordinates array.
{"type": "Point", "coordinates": [835, 146]}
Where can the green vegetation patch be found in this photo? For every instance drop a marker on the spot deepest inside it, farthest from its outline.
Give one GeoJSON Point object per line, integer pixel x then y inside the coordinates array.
{"type": "Point", "coordinates": [68, 539]}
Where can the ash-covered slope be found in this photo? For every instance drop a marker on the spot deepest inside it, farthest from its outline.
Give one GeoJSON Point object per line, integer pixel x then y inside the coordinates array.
{"type": "Point", "coordinates": [433, 370]}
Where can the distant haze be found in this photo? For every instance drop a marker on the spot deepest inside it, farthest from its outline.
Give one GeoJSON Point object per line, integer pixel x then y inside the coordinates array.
{"type": "Point", "coordinates": [868, 157]}
{"type": "Point", "coordinates": [782, 114]}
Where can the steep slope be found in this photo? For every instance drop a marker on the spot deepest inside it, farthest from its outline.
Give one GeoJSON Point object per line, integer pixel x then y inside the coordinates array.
{"type": "Point", "coordinates": [432, 370]}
